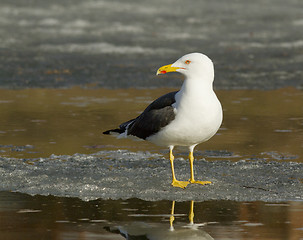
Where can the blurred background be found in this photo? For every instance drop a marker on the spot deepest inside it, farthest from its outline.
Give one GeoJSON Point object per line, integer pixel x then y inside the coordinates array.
{"type": "Point", "coordinates": [72, 69]}
{"type": "Point", "coordinates": [120, 44]}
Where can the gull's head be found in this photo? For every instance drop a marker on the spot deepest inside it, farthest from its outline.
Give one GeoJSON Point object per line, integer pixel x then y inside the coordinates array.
{"type": "Point", "coordinates": [192, 65]}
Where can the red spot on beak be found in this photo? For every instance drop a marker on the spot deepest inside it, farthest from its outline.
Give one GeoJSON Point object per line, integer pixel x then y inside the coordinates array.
{"type": "Point", "coordinates": [163, 72]}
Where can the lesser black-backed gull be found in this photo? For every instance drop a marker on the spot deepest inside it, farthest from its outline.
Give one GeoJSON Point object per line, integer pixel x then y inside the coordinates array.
{"type": "Point", "coordinates": [182, 118]}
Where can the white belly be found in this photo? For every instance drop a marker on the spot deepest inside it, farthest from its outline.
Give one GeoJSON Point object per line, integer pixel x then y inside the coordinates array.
{"type": "Point", "coordinates": [192, 125]}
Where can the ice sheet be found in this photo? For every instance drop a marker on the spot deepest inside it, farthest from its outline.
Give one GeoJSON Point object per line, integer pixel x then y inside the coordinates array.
{"type": "Point", "coordinates": [124, 174]}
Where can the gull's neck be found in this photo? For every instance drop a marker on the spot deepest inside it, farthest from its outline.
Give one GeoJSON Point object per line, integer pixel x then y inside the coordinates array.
{"type": "Point", "coordinates": [197, 85]}
{"type": "Point", "coordinates": [196, 90]}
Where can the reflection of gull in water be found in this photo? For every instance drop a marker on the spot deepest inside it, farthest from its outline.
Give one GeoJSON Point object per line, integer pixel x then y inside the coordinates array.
{"type": "Point", "coordinates": [158, 231]}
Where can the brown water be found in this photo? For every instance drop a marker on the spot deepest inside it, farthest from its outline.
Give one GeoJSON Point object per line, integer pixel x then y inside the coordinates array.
{"type": "Point", "coordinates": [40, 122]}
{"type": "Point", "coordinates": [25, 217]}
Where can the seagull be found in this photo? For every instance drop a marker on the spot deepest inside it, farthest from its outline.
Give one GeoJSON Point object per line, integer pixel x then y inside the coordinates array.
{"type": "Point", "coordinates": [185, 118]}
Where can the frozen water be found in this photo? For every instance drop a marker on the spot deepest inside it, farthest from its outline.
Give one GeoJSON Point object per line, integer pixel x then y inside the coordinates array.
{"type": "Point", "coordinates": [124, 174]}
{"type": "Point", "coordinates": [106, 42]}
{"type": "Point", "coordinates": [103, 48]}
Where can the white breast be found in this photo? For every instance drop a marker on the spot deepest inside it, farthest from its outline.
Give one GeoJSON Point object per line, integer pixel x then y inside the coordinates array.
{"type": "Point", "coordinates": [198, 118]}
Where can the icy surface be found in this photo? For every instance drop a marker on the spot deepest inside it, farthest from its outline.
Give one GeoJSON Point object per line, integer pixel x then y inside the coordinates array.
{"type": "Point", "coordinates": [124, 174]}
{"type": "Point", "coordinates": [96, 42]}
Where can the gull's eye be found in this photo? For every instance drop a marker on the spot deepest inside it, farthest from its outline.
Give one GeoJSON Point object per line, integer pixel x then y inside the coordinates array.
{"type": "Point", "coordinates": [187, 62]}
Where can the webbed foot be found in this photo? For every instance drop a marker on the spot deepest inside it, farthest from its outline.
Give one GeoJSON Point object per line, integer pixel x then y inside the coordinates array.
{"type": "Point", "coordinates": [200, 182]}
{"type": "Point", "coordinates": [180, 184]}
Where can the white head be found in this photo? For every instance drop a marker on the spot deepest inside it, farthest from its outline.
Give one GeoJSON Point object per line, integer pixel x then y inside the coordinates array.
{"type": "Point", "coordinates": [192, 65]}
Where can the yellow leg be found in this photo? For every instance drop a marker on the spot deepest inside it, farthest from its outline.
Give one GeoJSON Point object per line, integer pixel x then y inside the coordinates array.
{"type": "Point", "coordinates": [172, 218]}
{"type": "Point", "coordinates": [191, 213]}
{"type": "Point", "coordinates": [175, 182]}
{"type": "Point", "coordinates": [192, 178]}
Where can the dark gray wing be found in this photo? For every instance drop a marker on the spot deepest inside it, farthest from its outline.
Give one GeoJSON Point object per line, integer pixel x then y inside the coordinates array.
{"type": "Point", "coordinates": [156, 116]}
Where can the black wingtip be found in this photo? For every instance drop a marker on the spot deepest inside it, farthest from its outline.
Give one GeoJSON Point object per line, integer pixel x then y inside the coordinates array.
{"type": "Point", "coordinates": [108, 132]}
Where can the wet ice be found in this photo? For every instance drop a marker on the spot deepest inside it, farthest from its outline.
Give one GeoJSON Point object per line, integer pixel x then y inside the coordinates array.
{"type": "Point", "coordinates": [124, 174]}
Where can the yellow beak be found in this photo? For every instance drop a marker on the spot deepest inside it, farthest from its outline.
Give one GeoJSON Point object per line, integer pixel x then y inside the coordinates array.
{"type": "Point", "coordinates": [166, 69]}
